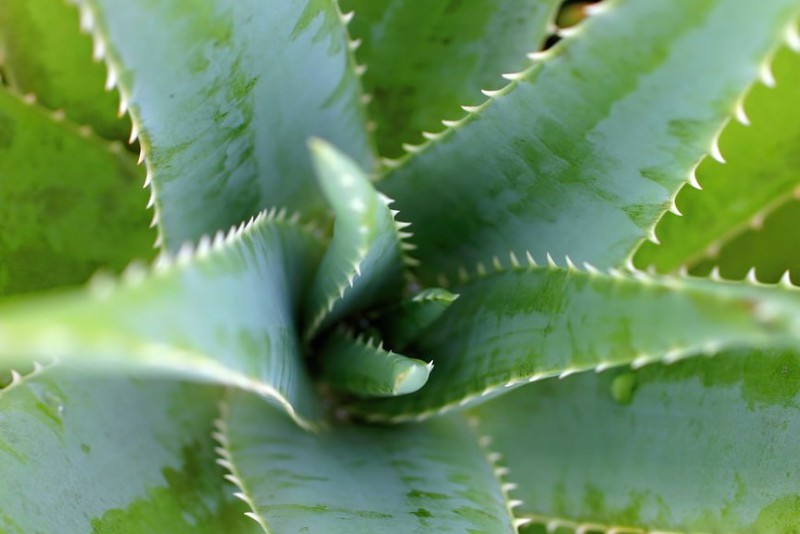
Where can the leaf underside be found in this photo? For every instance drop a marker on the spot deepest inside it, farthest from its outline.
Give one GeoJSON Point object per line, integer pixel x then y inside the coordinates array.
{"type": "Point", "coordinates": [582, 155]}
{"type": "Point", "coordinates": [704, 445]}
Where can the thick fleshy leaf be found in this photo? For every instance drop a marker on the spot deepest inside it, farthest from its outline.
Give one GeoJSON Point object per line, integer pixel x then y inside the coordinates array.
{"type": "Point", "coordinates": [366, 370]}
{"type": "Point", "coordinates": [426, 59]}
{"type": "Point", "coordinates": [70, 203]}
{"type": "Point", "coordinates": [431, 477]}
{"type": "Point", "coordinates": [363, 266]}
{"type": "Point", "coordinates": [402, 324]}
{"type": "Point", "coordinates": [583, 152]}
{"type": "Point", "coordinates": [705, 445]}
{"type": "Point", "coordinates": [222, 99]}
{"type": "Point", "coordinates": [45, 54]}
{"type": "Point", "coordinates": [759, 175]}
{"type": "Point", "coordinates": [226, 314]}
{"type": "Point", "coordinates": [114, 455]}
{"type": "Point", "coordinates": [770, 250]}
{"type": "Point", "coordinates": [523, 325]}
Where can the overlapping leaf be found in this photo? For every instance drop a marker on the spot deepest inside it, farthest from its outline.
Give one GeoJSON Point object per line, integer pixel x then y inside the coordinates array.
{"type": "Point", "coordinates": [421, 478]}
{"type": "Point", "coordinates": [220, 96]}
{"type": "Point", "coordinates": [359, 367]}
{"type": "Point", "coordinates": [226, 315]}
{"type": "Point", "coordinates": [705, 445]}
{"type": "Point", "coordinates": [45, 54]}
{"type": "Point", "coordinates": [583, 152]}
{"type": "Point", "coordinates": [70, 203]}
{"type": "Point", "coordinates": [363, 266]}
{"type": "Point", "coordinates": [507, 329]}
{"type": "Point", "coordinates": [426, 59]}
{"type": "Point", "coordinates": [112, 455]}
{"type": "Point", "coordinates": [760, 175]}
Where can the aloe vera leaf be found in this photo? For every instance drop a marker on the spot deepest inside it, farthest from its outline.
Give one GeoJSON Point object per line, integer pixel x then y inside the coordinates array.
{"type": "Point", "coordinates": [402, 324]}
{"type": "Point", "coordinates": [224, 113]}
{"type": "Point", "coordinates": [114, 455]}
{"type": "Point", "coordinates": [522, 325]}
{"type": "Point", "coordinates": [704, 445]}
{"type": "Point", "coordinates": [769, 251]}
{"type": "Point", "coordinates": [426, 59]}
{"type": "Point", "coordinates": [225, 314]}
{"type": "Point", "coordinates": [45, 54]}
{"type": "Point", "coordinates": [366, 370]}
{"type": "Point", "coordinates": [429, 478]}
{"type": "Point", "coordinates": [363, 266]}
{"type": "Point", "coordinates": [583, 152]}
{"type": "Point", "coordinates": [760, 175]}
{"type": "Point", "coordinates": [70, 202]}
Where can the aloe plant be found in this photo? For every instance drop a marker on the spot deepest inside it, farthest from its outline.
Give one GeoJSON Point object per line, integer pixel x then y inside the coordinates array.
{"type": "Point", "coordinates": [407, 274]}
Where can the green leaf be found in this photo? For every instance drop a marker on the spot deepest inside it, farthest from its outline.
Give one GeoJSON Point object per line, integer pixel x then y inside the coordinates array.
{"type": "Point", "coordinates": [519, 326]}
{"type": "Point", "coordinates": [760, 175]}
{"type": "Point", "coordinates": [363, 266]}
{"type": "Point", "coordinates": [426, 59]}
{"type": "Point", "coordinates": [225, 314]}
{"type": "Point", "coordinates": [422, 478]}
{"type": "Point", "coordinates": [770, 251]}
{"type": "Point", "coordinates": [365, 370]}
{"type": "Point", "coordinates": [70, 203]}
{"type": "Point", "coordinates": [705, 445]}
{"type": "Point", "coordinates": [400, 325]}
{"type": "Point", "coordinates": [220, 97]}
{"type": "Point", "coordinates": [110, 456]}
{"type": "Point", "coordinates": [44, 53]}
{"type": "Point", "coordinates": [583, 152]}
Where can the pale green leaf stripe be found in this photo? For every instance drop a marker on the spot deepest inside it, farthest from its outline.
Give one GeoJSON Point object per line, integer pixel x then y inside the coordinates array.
{"type": "Point", "coordinates": [114, 455]}
{"type": "Point", "coordinates": [226, 315]}
{"type": "Point", "coordinates": [363, 266]}
{"type": "Point", "coordinates": [363, 369]}
{"type": "Point", "coordinates": [760, 174]}
{"type": "Point", "coordinates": [221, 95]}
{"type": "Point", "coordinates": [431, 477]}
{"type": "Point", "coordinates": [427, 59]}
{"type": "Point", "coordinates": [519, 326]}
{"type": "Point", "coordinates": [44, 53]}
{"type": "Point", "coordinates": [705, 445]}
{"type": "Point", "coordinates": [70, 202]}
{"type": "Point", "coordinates": [583, 154]}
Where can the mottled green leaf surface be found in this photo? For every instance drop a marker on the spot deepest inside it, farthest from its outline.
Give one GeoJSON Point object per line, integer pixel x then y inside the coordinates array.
{"type": "Point", "coordinates": [363, 266]}
{"type": "Point", "coordinates": [363, 369]}
{"type": "Point", "coordinates": [403, 323]}
{"type": "Point", "coordinates": [582, 155]}
{"type": "Point", "coordinates": [226, 316]}
{"type": "Point", "coordinates": [44, 53]}
{"type": "Point", "coordinates": [422, 478]}
{"type": "Point", "coordinates": [111, 456]}
{"type": "Point", "coordinates": [524, 325]}
{"type": "Point", "coordinates": [221, 95]}
{"type": "Point", "coordinates": [69, 203]}
{"type": "Point", "coordinates": [761, 172]}
{"type": "Point", "coordinates": [426, 59]}
{"type": "Point", "coordinates": [705, 445]}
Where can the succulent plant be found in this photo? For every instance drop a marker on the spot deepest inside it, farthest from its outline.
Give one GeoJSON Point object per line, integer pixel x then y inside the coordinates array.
{"type": "Point", "coordinates": [292, 358]}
